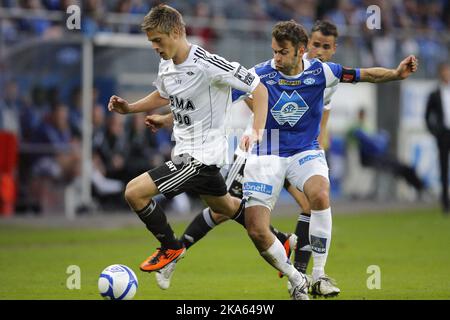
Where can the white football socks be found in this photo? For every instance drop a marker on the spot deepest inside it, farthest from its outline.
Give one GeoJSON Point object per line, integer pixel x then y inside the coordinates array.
{"type": "Point", "coordinates": [320, 238]}
{"type": "Point", "coordinates": [276, 256]}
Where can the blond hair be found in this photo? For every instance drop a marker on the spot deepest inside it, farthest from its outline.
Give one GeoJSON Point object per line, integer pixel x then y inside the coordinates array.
{"type": "Point", "coordinates": [164, 19]}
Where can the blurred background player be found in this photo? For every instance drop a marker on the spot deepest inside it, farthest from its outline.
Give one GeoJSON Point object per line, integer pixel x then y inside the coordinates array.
{"type": "Point", "coordinates": [406, 26]}
{"type": "Point", "coordinates": [437, 116]}
{"type": "Point", "coordinates": [196, 84]}
{"type": "Point", "coordinates": [373, 153]}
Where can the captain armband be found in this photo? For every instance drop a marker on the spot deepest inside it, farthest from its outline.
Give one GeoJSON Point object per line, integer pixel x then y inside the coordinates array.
{"type": "Point", "coordinates": [350, 75]}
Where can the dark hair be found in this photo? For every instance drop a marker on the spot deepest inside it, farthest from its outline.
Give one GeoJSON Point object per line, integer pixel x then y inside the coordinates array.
{"type": "Point", "coordinates": [326, 28]}
{"type": "Point", "coordinates": [290, 31]}
{"type": "Point", "coordinates": [165, 19]}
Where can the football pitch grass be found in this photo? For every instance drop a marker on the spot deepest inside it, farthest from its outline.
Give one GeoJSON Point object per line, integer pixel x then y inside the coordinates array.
{"type": "Point", "coordinates": [411, 249]}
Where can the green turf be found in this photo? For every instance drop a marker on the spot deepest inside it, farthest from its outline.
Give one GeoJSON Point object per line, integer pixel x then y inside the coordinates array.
{"type": "Point", "coordinates": [412, 250]}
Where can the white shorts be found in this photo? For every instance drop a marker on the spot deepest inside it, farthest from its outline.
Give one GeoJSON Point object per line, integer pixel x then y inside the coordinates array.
{"type": "Point", "coordinates": [264, 175]}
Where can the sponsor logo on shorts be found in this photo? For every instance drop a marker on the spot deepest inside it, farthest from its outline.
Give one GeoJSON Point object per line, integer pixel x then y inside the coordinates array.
{"type": "Point", "coordinates": [171, 166]}
{"type": "Point", "coordinates": [257, 187]}
{"type": "Point", "coordinates": [303, 160]}
{"type": "Point", "coordinates": [318, 244]}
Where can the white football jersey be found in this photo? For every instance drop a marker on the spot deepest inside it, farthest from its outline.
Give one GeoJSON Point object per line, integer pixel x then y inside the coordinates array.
{"type": "Point", "coordinates": [199, 90]}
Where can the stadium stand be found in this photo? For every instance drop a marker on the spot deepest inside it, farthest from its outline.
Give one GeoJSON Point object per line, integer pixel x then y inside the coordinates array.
{"type": "Point", "coordinates": [36, 78]}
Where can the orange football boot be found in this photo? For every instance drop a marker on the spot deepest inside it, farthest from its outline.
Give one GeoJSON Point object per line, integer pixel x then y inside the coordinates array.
{"type": "Point", "coordinates": [161, 258]}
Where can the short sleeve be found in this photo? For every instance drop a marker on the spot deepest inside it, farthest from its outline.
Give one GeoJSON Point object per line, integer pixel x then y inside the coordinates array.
{"type": "Point", "coordinates": [158, 83]}
{"type": "Point", "coordinates": [333, 73]}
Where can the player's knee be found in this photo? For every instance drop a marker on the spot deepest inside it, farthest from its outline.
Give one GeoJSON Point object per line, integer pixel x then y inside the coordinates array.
{"type": "Point", "coordinates": [320, 200]}
{"type": "Point", "coordinates": [261, 238]}
{"type": "Point", "coordinates": [255, 233]}
{"type": "Point", "coordinates": [131, 194]}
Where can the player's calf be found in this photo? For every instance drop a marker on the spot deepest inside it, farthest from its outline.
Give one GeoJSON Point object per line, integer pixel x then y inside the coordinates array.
{"type": "Point", "coordinates": [156, 222]}
{"type": "Point", "coordinates": [303, 247]}
{"type": "Point", "coordinates": [199, 227]}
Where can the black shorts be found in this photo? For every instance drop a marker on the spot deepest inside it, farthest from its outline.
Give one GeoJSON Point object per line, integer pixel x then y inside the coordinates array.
{"type": "Point", "coordinates": [184, 173]}
{"type": "Point", "coordinates": [235, 176]}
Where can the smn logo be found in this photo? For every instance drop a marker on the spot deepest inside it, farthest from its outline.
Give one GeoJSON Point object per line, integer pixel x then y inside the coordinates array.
{"type": "Point", "coordinates": [289, 108]}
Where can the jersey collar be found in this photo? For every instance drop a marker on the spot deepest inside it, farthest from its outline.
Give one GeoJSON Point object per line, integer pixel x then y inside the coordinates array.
{"type": "Point", "coordinates": [306, 65]}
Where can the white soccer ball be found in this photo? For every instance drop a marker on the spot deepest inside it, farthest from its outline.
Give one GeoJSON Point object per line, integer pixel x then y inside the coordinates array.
{"type": "Point", "coordinates": [117, 282]}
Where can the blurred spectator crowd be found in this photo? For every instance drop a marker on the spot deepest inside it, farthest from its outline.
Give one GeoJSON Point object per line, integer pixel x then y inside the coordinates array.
{"type": "Point", "coordinates": [49, 136]}
{"type": "Point", "coordinates": [409, 14]}
{"type": "Point", "coordinates": [413, 26]}
{"type": "Point", "coordinates": [48, 127]}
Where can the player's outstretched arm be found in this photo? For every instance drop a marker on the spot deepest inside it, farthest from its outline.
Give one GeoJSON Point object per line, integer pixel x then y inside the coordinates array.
{"type": "Point", "coordinates": [408, 66]}
{"type": "Point", "coordinates": [260, 105]}
{"type": "Point", "coordinates": [150, 102]}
